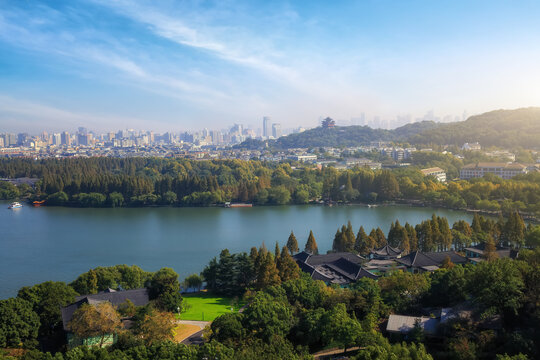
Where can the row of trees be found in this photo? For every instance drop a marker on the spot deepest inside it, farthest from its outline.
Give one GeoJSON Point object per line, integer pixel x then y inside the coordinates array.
{"type": "Point", "coordinates": [232, 274]}
{"type": "Point", "coordinates": [110, 182]}
{"type": "Point", "coordinates": [435, 234]}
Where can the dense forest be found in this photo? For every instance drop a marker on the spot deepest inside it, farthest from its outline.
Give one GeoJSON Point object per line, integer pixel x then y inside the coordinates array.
{"type": "Point", "coordinates": [110, 182]}
{"type": "Point", "coordinates": [518, 128]}
{"type": "Point", "coordinates": [291, 316]}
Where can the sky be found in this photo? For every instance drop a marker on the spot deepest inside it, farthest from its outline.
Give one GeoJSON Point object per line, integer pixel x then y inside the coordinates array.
{"type": "Point", "coordinates": [184, 65]}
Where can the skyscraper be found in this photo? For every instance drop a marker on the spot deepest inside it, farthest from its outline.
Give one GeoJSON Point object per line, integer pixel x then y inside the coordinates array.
{"type": "Point", "coordinates": [276, 130]}
{"type": "Point", "coordinates": [266, 126]}
{"type": "Point", "coordinates": [66, 138]}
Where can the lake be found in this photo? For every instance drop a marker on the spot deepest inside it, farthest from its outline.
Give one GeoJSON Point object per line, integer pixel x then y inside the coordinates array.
{"type": "Point", "coordinates": [55, 243]}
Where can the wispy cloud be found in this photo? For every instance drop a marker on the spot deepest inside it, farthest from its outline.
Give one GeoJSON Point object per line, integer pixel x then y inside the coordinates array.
{"type": "Point", "coordinates": [22, 30]}
{"type": "Point", "coordinates": [226, 45]}
{"type": "Point", "coordinates": [14, 112]}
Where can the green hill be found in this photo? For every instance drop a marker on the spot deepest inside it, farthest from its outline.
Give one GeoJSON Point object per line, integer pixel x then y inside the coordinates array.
{"type": "Point", "coordinates": [503, 128]}
{"type": "Point", "coordinates": [343, 136]}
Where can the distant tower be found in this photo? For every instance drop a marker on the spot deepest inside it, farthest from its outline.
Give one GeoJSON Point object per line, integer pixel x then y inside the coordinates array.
{"type": "Point", "coordinates": [276, 130]}
{"type": "Point", "coordinates": [266, 126]}
{"type": "Point", "coordinates": [328, 123]}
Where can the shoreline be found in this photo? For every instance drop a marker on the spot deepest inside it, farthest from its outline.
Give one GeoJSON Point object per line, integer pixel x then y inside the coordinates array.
{"type": "Point", "coordinates": [402, 202]}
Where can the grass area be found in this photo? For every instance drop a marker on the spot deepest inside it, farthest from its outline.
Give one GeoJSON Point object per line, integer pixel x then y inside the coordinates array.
{"type": "Point", "coordinates": [205, 306]}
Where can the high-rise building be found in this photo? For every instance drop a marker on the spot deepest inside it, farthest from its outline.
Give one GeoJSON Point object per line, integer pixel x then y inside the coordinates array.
{"type": "Point", "coordinates": [57, 139]}
{"type": "Point", "coordinates": [266, 126]}
{"type": "Point", "coordinates": [276, 130]}
{"type": "Point", "coordinates": [1, 141]}
{"type": "Point", "coordinates": [66, 138]}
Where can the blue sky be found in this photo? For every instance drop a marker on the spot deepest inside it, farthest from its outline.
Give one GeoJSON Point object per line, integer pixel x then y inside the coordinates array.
{"type": "Point", "coordinates": [181, 65]}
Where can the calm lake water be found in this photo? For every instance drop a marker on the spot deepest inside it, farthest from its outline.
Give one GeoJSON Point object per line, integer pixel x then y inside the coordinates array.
{"type": "Point", "coordinates": [49, 243]}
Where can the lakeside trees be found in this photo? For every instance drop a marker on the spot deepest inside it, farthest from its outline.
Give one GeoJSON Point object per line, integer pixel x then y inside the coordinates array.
{"type": "Point", "coordinates": [110, 182]}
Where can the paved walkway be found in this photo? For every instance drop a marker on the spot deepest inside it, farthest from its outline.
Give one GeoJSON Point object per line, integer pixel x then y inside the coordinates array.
{"type": "Point", "coordinates": [201, 324]}
{"type": "Point", "coordinates": [195, 337]}
{"type": "Point", "coordinates": [336, 351]}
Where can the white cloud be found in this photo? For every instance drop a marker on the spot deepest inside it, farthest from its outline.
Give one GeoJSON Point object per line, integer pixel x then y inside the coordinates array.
{"type": "Point", "coordinates": [15, 113]}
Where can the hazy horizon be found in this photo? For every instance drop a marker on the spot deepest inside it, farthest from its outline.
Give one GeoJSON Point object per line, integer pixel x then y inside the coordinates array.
{"type": "Point", "coordinates": [177, 66]}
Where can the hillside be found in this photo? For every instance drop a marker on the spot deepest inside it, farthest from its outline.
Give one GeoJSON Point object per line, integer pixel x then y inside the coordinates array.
{"type": "Point", "coordinates": [341, 136]}
{"type": "Point", "coordinates": [503, 128]}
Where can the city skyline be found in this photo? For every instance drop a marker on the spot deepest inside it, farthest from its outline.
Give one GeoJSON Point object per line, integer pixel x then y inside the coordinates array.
{"type": "Point", "coordinates": [188, 65]}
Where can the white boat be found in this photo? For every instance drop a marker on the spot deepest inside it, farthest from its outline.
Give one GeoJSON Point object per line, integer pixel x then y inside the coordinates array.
{"type": "Point", "coordinates": [15, 205]}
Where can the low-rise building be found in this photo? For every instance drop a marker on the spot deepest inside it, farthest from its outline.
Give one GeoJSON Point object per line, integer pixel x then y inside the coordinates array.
{"type": "Point", "coordinates": [437, 172]}
{"type": "Point", "coordinates": [139, 297]}
{"type": "Point", "coordinates": [504, 170]}
{"type": "Point", "coordinates": [335, 268]}
{"type": "Point", "coordinates": [471, 146]}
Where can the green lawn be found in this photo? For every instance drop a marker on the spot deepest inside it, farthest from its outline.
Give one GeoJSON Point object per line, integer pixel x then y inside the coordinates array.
{"type": "Point", "coordinates": [204, 306]}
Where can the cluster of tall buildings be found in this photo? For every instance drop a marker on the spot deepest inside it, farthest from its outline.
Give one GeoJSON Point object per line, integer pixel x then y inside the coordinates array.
{"type": "Point", "coordinates": [270, 130]}
{"type": "Point", "coordinates": [130, 138]}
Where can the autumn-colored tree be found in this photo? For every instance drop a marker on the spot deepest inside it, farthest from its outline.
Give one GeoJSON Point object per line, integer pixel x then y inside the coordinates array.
{"type": "Point", "coordinates": [266, 270]}
{"type": "Point", "coordinates": [287, 267]}
{"type": "Point", "coordinates": [276, 252]}
{"type": "Point", "coordinates": [447, 263]}
{"type": "Point", "coordinates": [100, 320]}
{"type": "Point", "coordinates": [292, 244]}
{"type": "Point", "coordinates": [157, 326]}
{"type": "Point", "coordinates": [490, 253]}
{"type": "Point", "coordinates": [311, 244]}
{"type": "Point", "coordinates": [381, 239]}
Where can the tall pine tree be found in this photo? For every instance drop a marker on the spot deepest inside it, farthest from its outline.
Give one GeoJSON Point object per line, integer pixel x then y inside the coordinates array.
{"type": "Point", "coordinates": [287, 267]}
{"type": "Point", "coordinates": [292, 244]}
{"type": "Point", "coordinates": [311, 244]}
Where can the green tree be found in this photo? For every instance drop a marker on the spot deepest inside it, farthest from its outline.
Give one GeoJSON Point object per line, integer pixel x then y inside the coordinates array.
{"type": "Point", "coordinates": [514, 230]}
{"type": "Point", "coordinates": [19, 324]}
{"type": "Point", "coordinates": [165, 289]}
{"type": "Point", "coordinates": [497, 285]}
{"type": "Point", "coordinates": [267, 316]}
{"type": "Point", "coordinates": [532, 239]}
{"type": "Point", "coordinates": [47, 299]}
{"type": "Point", "coordinates": [339, 328]}
{"type": "Point", "coordinates": [193, 281]}
{"type": "Point", "coordinates": [57, 199]}
{"type": "Point", "coordinates": [364, 244]}
{"type": "Point", "coordinates": [115, 199]}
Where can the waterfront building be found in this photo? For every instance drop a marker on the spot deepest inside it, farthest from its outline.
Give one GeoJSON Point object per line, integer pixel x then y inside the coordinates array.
{"type": "Point", "coordinates": [340, 268]}
{"type": "Point", "coordinates": [503, 170]}
{"type": "Point", "coordinates": [139, 297]}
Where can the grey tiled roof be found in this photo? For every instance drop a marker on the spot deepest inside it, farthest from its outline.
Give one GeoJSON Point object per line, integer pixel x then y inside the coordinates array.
{"type": "Point", "coordinates": [139, 297]}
